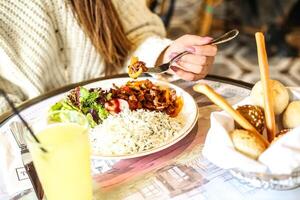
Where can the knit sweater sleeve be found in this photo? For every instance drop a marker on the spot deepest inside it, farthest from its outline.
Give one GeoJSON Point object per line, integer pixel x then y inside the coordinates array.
{"type": "Point", "coordinates": [144, 29]}
{"type": "Point", "coordinates": [13, 93]}
{"type": "Point", "coordinates": [8, 87]}
{"type": "Point", "coordinates": [28, 49]}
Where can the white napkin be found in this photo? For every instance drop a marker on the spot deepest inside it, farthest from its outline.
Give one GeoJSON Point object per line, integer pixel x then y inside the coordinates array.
{"type": "Point", "coordinates": [281, 157]}
{"type": "Point", "coordinates": [13, 177]}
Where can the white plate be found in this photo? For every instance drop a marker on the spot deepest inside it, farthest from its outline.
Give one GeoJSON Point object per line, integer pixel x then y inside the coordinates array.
{"type": "Point", "coordinates": [189, 113]}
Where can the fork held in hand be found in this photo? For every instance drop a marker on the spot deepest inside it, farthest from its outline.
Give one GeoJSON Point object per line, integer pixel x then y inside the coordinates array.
{"type": "Point", "coordinates": [219, 40]}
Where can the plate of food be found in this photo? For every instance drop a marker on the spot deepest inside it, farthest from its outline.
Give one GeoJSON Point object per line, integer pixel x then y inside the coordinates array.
{"type": "Point", "coordinates": [132, 118]}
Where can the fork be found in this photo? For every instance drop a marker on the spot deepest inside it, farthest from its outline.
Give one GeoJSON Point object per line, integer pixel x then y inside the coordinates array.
{"type": "Point", "coordinates": [219, 40]}
{"type": "Point", "coordinates": [18, 130]}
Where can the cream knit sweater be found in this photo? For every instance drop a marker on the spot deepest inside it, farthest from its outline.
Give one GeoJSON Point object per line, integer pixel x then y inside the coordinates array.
{"type": "Point", "coordinates": [42, 46]}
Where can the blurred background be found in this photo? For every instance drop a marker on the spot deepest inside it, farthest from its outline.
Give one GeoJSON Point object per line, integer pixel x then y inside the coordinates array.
{"type": "Point", "coordinates": [278, 19]}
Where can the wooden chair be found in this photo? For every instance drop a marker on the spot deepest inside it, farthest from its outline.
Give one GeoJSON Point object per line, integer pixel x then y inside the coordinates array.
{"type": "Point", "coordinates": [206, 16]}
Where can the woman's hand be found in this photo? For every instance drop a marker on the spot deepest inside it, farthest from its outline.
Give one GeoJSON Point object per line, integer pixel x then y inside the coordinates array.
{"type": "Point", "coordinates": [195, 65]}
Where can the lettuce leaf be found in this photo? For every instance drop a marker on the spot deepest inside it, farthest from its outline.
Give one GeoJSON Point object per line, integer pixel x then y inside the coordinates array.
{"type": "Point", "coordinates": [88, 102]}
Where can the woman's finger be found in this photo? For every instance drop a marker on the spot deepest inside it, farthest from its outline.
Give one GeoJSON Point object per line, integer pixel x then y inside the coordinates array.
{"type": "Point", "coordinates": [210, 60]}
{"type": "Point", "coordinates": [189, 40]}
{"type": "Point", "coordinates": [194, 59]}
{"type": "Point", "coordinates": [203, 63]}
{"type": "Point", "coordinates": [206, 50]}
{"type": "Point", "coordinates": [186, 75]}
{"type": "Point", "coordinates": [190, 67]}
{"type": "Point", "coordinates": [205, 70]}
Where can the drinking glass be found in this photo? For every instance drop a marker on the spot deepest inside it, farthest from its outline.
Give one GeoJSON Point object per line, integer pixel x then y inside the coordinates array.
{"type": "Point", "coordinates": [62, 158]}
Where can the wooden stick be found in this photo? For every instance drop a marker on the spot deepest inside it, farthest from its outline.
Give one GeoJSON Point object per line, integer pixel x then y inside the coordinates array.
{"type": "Point", "coordinates": [222, 103]}
{"type": "Point", "coordinates": [265, 79]}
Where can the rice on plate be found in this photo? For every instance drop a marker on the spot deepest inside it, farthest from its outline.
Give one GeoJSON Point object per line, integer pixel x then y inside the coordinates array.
{"type": "Point", "coordinates": [132, 132]}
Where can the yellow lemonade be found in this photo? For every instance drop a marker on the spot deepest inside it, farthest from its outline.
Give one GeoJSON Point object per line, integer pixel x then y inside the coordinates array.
{"type": "Point", "coordinates": [64, 170]}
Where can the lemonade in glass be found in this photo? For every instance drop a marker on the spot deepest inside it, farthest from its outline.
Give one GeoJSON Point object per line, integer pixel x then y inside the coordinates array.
{"type": "Point", "coordinates": [64, 169]}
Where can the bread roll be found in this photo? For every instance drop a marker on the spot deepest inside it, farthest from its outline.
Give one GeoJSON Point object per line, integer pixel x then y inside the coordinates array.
{"type": "Point", "coordinates": [291, 116]}
{"type": "Point", "coordinates": [254, 115]}
{"type": "Point", "coordinates": [247, 143]}
{"type": "Point", "coordinates": [279, 92]}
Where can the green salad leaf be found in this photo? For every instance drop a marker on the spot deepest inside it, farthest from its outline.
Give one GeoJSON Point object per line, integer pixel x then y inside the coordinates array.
{"type": "Point", "coordinates": [88, 102]}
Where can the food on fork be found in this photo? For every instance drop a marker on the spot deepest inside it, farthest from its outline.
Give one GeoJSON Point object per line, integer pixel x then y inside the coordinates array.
{"type": "Point", "coordinates": [247, 143]}
{"type": "Point", "coordinates": [280, 96]}
{"type": "Point", "coordinates": [136, 68]}
{"type": "Point", "coordinates": [291, 116]}
{"type": "Point", "coordinates": [254, 114]}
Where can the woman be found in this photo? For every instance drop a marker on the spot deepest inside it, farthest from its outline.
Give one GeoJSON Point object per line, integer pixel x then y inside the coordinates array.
{"type": "Point", "coordinates": [45, 44]}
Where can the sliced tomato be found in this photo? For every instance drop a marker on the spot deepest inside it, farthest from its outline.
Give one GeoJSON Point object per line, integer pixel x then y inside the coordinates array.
{"type": "Point", "coordinates": [114, 106]}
